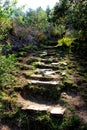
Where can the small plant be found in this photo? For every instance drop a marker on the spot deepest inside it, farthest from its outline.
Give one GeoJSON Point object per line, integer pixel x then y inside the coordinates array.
{"type": "Point", "coordinates": [65, 41]}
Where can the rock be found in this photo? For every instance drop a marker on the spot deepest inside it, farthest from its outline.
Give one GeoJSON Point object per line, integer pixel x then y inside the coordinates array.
{"type": "Point", "coordinates": [55, 63]}
{"type": "Point", "coordinates": [43, 54]}
{"type": "Point", "coordinates": [64, 93]}
{"type": "Point", "coordinates": [63, 73]}
{"type": "Point", "coordinates": [36, 108]}
{"type": "Point", "coordinates": [47, 71]}
{"type": "Point", "coordinates": [43, 82]}
{"type": "Point", "coordinates": [63, 63]}
{"type": "Point", "coordinates": [58, 110]}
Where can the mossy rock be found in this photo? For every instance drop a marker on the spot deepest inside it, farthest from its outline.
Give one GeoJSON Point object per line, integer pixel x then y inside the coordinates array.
{"type": "Point", "coordinates": [21, 54]}
{"type": "Point", "coordinates": [41, 92]}
{"type": "Point", "coordinates": [24, 66]}
{"type": "Point", "coordinates": [70, 85]}
{"type": "Point", "coordinates": [31, 48]}
{"type": "Point", "coordinates": [31, 60]}
{"type": "Point", "coordinates": [2, 106]}
{"type": "Point", "coordinates": [43, 54]}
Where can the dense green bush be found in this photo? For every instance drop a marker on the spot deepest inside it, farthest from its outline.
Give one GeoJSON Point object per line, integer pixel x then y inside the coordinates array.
{"type": "Point", "coordinates": [7, 70]}
{"type": "Point", "coordinates": [7, 82]}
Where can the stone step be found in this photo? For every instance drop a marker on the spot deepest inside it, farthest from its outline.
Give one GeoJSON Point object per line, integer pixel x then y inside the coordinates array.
{"type": "Point", "coordinates": [50, 60]}
{"type": "Point", "coordinates": [24, 66]}
{"type": "Point", "coordinates": [32, 59]}
{"type": "Point", "coordinates": [49, 47]}
{"type": "Point", "coordinates": [42, 74]}
{"type": "Point", "coordinates": [40, 106]}
{"type": "Point", "coordinates": [47, 66]}
{"type": "Point", "coordinates": [45, 83]}
{"type": "Point", "coordinates": [45, 71]}
{"type": "Point", "coordinates": [38, 91]}
{"type": "Point", "coordinates": [51, 53]}
{"type": "Point", "coordinates": [52, 65]}
{"type": "Point", "coordinates": [47, 54]}
{"type": "Point", "coordinates": [43, 78]}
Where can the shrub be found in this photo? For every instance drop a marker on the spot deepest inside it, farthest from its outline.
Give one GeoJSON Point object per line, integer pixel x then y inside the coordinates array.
{"type": "Point", "coordinates": [65, 41]}
{"type": "Point", "coordinates": [7, 69]}
{"type": "Point", "coordinates": [60, 30]}
{"type": "Point", "coordinates": [7, 81]}
{"type": "Point", "coordinates": [40, 37]}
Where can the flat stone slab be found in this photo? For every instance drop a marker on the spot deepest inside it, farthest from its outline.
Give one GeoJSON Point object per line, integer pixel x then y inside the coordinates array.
{"type": "Point", "coordinates": [44, 78]}
{"type": "Point", "coordinates": [42, 65]}
{"type": "Point", "coordinates": [47, 71]}
{"type": "Point", "coordinates": [49, 47]}
{"type": "Point", "coordinates": [44, 53]}
{"type": "Point", "coordinates": [58, 110]}
{"type": "Point", "coordinates": [55, 110]}
{"type": "Point", "coordinates": [63, 63]}
{"type": "Point", "coordinates": [39, 106]}
{"type": "Point", "coordinates": [43, 82]}
{"type": "Point", "coordinates": [55, 63]}
{"type": "Point", "coordinates": [63, 73]}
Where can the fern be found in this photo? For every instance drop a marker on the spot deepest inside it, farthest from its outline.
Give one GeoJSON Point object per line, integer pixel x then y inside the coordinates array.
{"type": "Point", "coordinates": [65, 41]}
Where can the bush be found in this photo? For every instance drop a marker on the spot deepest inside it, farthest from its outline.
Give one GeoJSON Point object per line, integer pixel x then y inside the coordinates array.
{"type": "Point", "coordinates": [65, 41]}
{"type": "Point", "coordinates": [40, 37]}
{"type": "Point", "coordinates": [7, 81]}
{"type": "Point", "coordinates": [7, 69]}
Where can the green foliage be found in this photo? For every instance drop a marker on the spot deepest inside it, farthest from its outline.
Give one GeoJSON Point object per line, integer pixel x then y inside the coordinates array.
{"type": "Point", "coordinates": [70, 85]}
{"type": "Point", "coordinates": [59, 30]}
{"type": "Point", "coordinates": [40, 37]}
{"type": "Point", "coordinates": [45, 121]}
{"type": "Point", "coordinates": [7, 82]}
{"type": "Point", "coordinates": [7, 69]}
{"type": "Point", "coordinates": [58, 14]}
{"type": "Point", "coordinates": [7, 10]}
{"type": "Point", "coordinates": [65, 41]}
{"type": "Point", "coordinates": [67, 14]}
{"type": "Point", "coordinates": [4, 25]}
{"type": "Point", "coordinates": [79, 20]}
{"type": "Point", "coordinates": [70, 124]}
{"type": "Point", "coordinates": [36, 18]}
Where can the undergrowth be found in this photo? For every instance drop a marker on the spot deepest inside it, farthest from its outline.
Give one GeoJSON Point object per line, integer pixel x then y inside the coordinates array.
{"type": "Point", "coordinates": [8, 72]}
{"type": "Point", "coordinates": [37, 120]}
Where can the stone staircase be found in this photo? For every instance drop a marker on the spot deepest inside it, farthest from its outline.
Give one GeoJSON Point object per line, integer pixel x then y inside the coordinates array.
{"type": "Point", "coordinates": [43, 73]}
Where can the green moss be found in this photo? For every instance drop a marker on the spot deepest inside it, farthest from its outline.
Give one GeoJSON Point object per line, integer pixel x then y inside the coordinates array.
{"type": "Point", "coordinates": [44, 53]}
{"type": "Point", "coordinates": [2, 106]}
{"type": "Point", "coordinates": [31, 60]}
{"type": "Point", "coordinates": [21, 54]}
{"type": "Point", "coordinates": [24, 66]}
{"type": "Point", "coordinates": [70, 85]}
